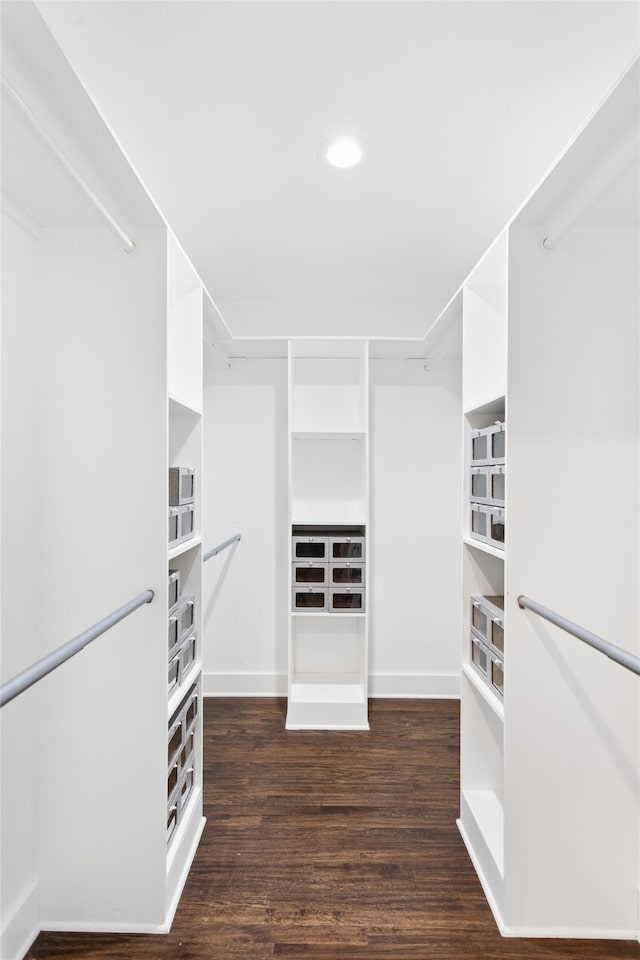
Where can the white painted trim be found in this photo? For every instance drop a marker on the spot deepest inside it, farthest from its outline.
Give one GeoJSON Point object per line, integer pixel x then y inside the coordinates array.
{"type": "Point", "coordinates": [68, 926]}
{"type": "Point", "coordinates": [497, 916]}
{"type": "Point", "coordinates": [22, 927]}
{"type": "Point", "coordinates": [173, 906]}
{"type": "Point", "coordinates": [411, 686]}
{"type": "Point", "coordinates": [425, 686]}
{"type": "Point", "coordinates": [563, 933]}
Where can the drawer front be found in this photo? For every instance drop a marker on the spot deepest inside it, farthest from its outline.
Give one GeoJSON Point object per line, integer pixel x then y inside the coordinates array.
{"type": "Point", "coordinates": [174, 588]}
{"type": "Point", "coordinates": [497, 479]}
{"type": "Point", "coordinates": [497, 676]}
{"type": "Point", "coordinates": [309, 599]}
{"type": "Point", "coordinates": [346, 548]}
{"type": "Point", "coordinates": [186, 615]}
{"type": "Point", "coordinates": [480, 484]}
{"type": "Point", "coordinates": [182, 484]}
{"type": "Point", "coordinates": [480, 657]}
{"type": "Point", "coordinates": [347, 574]}
{"type": "Point", "coordinates": [311, 548]}
{"type": "Point", "coordinates": [174, 673]}
{"type": "Point", "coordinates": [346, 600]}
{"type": "Point", "coordinates": [310, 574]}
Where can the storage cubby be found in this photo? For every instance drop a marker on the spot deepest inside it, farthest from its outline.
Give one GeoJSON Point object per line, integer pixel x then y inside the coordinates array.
{"type": "Point", "coordinates": [328, 513]}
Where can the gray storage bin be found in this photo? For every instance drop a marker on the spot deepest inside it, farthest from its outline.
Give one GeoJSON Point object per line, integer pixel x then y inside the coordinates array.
{"type": "Point", "coordinates": [488, 524]}
{"type": "Point", "coordinates": [346, 548]}
{"type": "Point", "coordinates": [311, 548]}
{"type": "Point", "coordinates": [497, 676]}
{"type": "Point", "coordinates": [174, 635]}
{"type": "Point", "coordinates": [496, 517]}
{"type": "Point", "coordinates": [310, 574]}
{"type": "Point", "coordinates": [480, 657]}
{"type": "Point", "coordinates": [346, 600]}
{"type": "Point", "coordinates": [347, 574]}
{"type": "Point", "coordinates": [309, 599]}
{"type": "Point", "coordinates": [181, 524]}
{"type": "Point", "coordinates": [187, 654]}
{"type": "Point", "coordinates": [487, 621]}
{"type": "Point", "coordinates": [496, 484]}
{"type": "Point", "coordinates": [182, 483]}
{"type": "Point", "coordinates": [480, 484]}
{"type": "Point", "coordinates": [185, 613]}
{"type": "Point", "coordinates": [488, 445]}
{"type": "Point", "coordinates": [174, 673]}
{"type": "Point", "coordinates": [172, 820]}
{"type": "Point", "coordinates": [174, 588]}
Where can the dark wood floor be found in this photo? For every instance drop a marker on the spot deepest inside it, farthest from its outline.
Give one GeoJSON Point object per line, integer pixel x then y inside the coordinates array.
{"type": "Point", "coordinates": [331, 846]}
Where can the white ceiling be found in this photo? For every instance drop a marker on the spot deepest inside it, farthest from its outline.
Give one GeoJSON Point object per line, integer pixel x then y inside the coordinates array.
{"type": "Point", "coordinates": [221, 107]}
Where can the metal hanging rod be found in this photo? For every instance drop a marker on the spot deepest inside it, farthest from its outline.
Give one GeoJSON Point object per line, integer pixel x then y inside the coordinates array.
{"type": "Point", "coordinates": [127, 243]}
{"type": "Point", "coordinates": [25, 679]}
{"type": "Point", "coordinates": [221, 547]}
{"type": "Point", "coordinates": [623, 657]}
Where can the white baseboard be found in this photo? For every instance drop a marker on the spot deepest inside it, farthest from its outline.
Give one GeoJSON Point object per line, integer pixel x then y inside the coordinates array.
{"type": "Point", "coordinates": [21, 927]}
{"type": "Point", "coordinates": [415, 686]}
{"type": "Point", "coordinates": [244, 684]}
{"type": "Point", "coordinates": [390, 686]}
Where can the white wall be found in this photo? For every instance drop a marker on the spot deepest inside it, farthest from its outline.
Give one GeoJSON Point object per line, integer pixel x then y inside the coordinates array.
{"type": "Point", "coordinates": [245, 477]}
{"type": "Point", "coordinates": [415, 528]}
{"type": "Point", "coordinates": [21, 642]}
{"type": "Point", "coordinates": [415, 574]}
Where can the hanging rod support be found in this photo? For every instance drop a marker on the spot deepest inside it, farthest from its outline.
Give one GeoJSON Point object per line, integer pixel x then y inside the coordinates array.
{"type": "Point", "coordinates": [623, 657]}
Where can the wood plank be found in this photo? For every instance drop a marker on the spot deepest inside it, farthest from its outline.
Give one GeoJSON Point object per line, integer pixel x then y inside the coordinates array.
{"type": "Point", "coordinates": [332, 846]}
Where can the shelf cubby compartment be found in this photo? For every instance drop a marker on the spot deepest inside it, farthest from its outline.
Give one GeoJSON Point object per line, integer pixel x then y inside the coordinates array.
{"type": "Point", "coordinates": [482, 784]}
{"type": "Point", "coordinates": [327, 688]}
{"type": "Point", "coordinates": [328, 479]}
{"type": "Point", "coordinates": [328, 386]}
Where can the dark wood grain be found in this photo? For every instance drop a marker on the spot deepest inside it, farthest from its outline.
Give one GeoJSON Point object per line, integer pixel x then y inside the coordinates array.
{"type": "Point", "coordinates": [331, 846]}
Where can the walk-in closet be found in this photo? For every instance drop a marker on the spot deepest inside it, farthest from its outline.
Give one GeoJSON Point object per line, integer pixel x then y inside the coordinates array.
{"type": "Point", "coordinates": [320, 517]}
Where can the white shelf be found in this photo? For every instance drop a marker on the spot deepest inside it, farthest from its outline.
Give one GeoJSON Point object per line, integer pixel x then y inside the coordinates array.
{"type": "Point", "coordinates": [182, 407]}
{"type": "Point", "coordinates": [325, 688]}
{"type": "Point", "coordinates": [326, 614]}
{"type": "Point", "coordinates": [484, 547]}
{"type": "Point", "coordinates": [483, 690]}
{"type": "Point", "coordinates": [305, 513]}
{"type": "Point", "coordinates": [487, 816]}
{"type": "Point", "coordinates": [189, 544]}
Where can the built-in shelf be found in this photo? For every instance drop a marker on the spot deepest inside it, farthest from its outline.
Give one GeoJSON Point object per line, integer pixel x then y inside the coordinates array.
{"type": "Point", "coordinates": [328, 496]}
{"type": "Point", "coordinates": [483, 547]}
{"type": "Point", "coordinates": [326, 689]}
{"type": "Point", "coordinates": [182, 407]}
{"type": "Point", "coordinates": [483, 690]}
{"type": "Point", "coordinates": [485, 811]}
{"type": "Point", "coordinates": [190, 544]}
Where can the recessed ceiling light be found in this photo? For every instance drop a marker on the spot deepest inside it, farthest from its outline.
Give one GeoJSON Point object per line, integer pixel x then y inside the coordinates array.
{"type": "Point", "coordinates": [344, 152]}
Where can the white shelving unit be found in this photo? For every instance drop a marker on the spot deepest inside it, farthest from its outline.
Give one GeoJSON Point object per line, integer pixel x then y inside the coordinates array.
{"type": "Point", "coordinates": [184, 397]}
{"type": "Point", "coordinates": [329, 492]}
{"type": "Point", "coordinates": [549, 778]}
{"type": "Point", "coordinates": [101, 391]}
